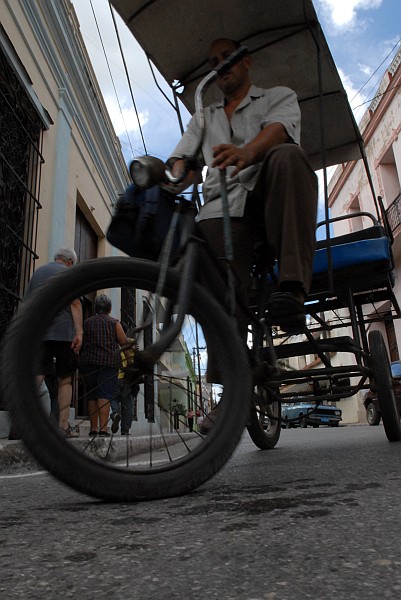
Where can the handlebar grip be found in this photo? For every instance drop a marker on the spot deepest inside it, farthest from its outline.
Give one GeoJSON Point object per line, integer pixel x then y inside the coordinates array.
{"type": "Point", "coordinates": [189, 164]}
{"type": "Point", "coordinates": [232, 59]}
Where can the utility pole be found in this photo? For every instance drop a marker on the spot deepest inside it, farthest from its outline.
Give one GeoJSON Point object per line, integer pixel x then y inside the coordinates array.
{"type": "Point", "coordinates": [197, 366]}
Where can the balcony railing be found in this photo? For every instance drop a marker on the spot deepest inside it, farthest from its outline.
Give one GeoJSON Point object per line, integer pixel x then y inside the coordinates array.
{"type": "Point", "coordinates": [394, 213]}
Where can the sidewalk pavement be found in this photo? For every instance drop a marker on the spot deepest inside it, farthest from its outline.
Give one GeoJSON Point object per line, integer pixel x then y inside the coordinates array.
{"type": "Point", "coordinates": [15, 457]}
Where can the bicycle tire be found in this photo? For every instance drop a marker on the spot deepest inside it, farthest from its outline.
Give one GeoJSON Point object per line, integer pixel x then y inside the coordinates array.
{"type": "Point", "coordinates": [384, 386]}
{"type": "Point", "coordinates": [61, 457]}
{"type": "Point", "coordinates": [264, 424]}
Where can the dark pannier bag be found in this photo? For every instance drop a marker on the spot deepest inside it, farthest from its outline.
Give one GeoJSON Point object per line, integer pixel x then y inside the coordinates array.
{"type": "Point", "coordinates": [141, 221]}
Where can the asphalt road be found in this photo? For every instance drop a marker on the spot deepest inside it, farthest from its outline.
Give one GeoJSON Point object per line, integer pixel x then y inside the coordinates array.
{"type": "Point", "coordinates": [318, 517]}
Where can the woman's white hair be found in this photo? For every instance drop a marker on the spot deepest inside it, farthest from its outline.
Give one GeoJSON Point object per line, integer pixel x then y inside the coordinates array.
{"type": "Point", "coordinates": [66, 254]}
{"type": "Point", "coordinates": [102, 304]}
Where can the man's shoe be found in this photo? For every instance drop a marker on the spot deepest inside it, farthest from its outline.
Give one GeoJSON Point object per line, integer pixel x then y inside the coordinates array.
{"type": "Point", "coordinates": [116, 418]}
{"type": "Point", "coordinates": [286, 309]}
{"type": "Point", "coordinates": [209, 420]}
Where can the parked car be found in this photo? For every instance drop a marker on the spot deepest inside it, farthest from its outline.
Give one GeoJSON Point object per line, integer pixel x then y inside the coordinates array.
{"type": "Point", "coordinates": [304, 414]}
{"type": "Point", "coordinates": [371, 402]}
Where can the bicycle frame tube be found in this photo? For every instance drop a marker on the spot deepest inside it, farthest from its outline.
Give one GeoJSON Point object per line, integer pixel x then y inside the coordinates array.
{"type": "Point", "coordinates": [154, 351]}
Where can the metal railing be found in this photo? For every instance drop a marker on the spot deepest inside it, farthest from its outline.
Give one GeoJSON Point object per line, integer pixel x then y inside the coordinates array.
{"type": "Point", "coordinates": [394, 213]}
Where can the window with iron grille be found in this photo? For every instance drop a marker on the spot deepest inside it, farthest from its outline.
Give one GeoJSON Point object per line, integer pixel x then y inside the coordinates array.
{"type": "Point", "coordinates": [20, 167]}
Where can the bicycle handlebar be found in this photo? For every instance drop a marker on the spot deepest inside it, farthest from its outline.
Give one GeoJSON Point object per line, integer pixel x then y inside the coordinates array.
{"type": "Point", "coordinates": [230, 60]}
{"type": "Point", "coordinates": [140, 168]}
{"type": "Point", "coordinates": [202, 85]}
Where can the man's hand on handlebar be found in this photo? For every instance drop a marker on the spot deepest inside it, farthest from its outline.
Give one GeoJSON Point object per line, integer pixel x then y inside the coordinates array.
{"type": "Point", "coordinates": [178, 169]}
{"type": "Point", "coordinates": [228, 155]}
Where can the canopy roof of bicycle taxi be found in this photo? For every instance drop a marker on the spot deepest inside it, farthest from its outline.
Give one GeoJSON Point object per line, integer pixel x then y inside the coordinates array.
{"type": "Point", "coordinates": [287, 45]}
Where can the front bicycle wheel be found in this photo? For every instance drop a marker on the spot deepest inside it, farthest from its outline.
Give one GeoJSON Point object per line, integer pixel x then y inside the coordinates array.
{"type": "Point", "coordinates": [161, 457]}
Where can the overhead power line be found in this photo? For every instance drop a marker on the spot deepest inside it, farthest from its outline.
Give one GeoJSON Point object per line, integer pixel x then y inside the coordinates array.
{"type": "Point", "coordinates": [387, 91]}
{"type": "Point", "coordinates": [128, 77]}
{"type": "Point", "coordinates": [376, 70]}
{"type": "Point", "coordinates": [112, 80]}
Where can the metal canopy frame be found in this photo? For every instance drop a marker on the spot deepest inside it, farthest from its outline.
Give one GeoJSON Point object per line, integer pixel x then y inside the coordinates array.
{"type": "Point", "coordinates": [287, 45]}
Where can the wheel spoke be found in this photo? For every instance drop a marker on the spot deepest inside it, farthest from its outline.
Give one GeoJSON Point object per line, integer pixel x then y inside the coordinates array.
{"type": "Point", "coordinates": [160, 457]}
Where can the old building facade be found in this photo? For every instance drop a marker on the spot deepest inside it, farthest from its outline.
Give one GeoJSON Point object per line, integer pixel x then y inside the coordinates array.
{"type": "Point", "coordinates": [61, 164]}
{"type": "Point", "coordinates": [350, 192]}
{"type": "Point", "coordinates": [61, 161]}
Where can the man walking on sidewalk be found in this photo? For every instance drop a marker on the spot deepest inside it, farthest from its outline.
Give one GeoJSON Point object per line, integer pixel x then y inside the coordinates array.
{"type": "Point", "coordinates": [63, 339]}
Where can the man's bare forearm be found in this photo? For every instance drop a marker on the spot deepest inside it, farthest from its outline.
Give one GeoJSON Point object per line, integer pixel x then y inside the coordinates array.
{"type": "Point", "coordinates": [76, 311]}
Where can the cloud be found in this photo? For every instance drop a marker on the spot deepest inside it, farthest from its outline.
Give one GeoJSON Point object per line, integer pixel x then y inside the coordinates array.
{"type": "Point", "coordinates": [343, 13]}
{"type": "Point", "coordinates": [355, 97]}
{"type": "Point", "coordinates": [365, 69]}
{"type": "Point", "coordinates": [125, 120]}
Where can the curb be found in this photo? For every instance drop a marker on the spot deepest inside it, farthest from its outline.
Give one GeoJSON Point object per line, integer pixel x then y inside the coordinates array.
{"type": "Point", "coordinates": [15, 456]}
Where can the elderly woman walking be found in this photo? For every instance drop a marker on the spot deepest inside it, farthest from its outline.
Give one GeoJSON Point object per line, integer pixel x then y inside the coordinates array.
{"type": "Point", "coordinates": [99, 363]}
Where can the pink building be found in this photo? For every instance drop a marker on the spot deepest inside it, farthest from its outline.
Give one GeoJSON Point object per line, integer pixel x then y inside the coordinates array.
{"type": "Point", "coordinates": [350, 192]}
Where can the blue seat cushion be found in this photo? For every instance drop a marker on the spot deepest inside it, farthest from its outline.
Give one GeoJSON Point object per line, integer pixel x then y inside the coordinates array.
{"type": "Point", "coordinates": [354, 253]}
